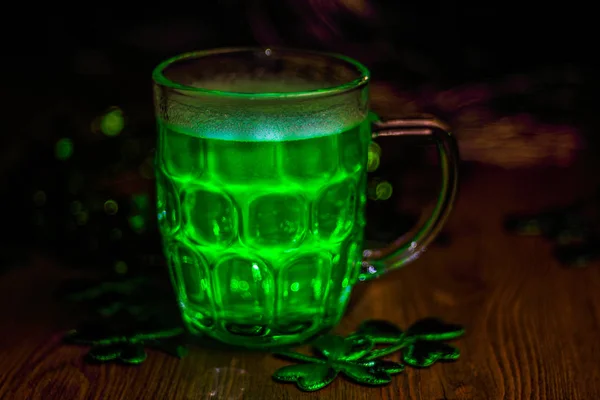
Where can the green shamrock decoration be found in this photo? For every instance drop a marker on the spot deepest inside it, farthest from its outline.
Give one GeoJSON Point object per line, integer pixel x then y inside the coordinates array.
{"type": "Point", "coordinates": [110, 345]}
{"type": "Point", "coordinates": [128, 316]}
{"type": "Point", "coordinates": [133, 314]}
{"type": "Point", "coordinates": [345, 355]}
{"type": "Point", "coordinates": [357, 356]}
{"type": "Point", "coordinates": [127, 353]}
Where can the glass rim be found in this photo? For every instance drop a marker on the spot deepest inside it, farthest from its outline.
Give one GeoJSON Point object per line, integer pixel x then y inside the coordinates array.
{"type": "Point", "coordinates": [363, 74]}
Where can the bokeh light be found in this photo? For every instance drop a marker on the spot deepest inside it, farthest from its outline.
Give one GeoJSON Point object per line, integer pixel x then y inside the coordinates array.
{"type": "Point", "coordinates": [63, 150]}
{"type": "Point", "coordinates": [111, 207]}
{"type": "Point", "coordinates": [111, 123]}
{"type": "Point", "coordinates": [374, 155]}
{"type": "Point", "coordinates": [379, 189]}
{"type": "Point", "coordinates": [137, 223]}
{"type": "Point", "coordinates": [141, 201]}
{"type": "Point", "coordinates": [383, 191]}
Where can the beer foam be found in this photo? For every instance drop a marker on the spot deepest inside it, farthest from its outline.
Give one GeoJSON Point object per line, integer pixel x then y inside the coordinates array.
{"type": "Point", "coordinates": [246, 118]}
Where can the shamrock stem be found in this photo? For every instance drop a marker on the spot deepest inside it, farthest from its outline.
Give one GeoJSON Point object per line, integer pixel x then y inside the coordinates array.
{"type": "Point", "coordinates": [387, 350]}
{"type": "Point", "coordinates": [298, 356]}
{"type": "Point", "coordinates": [168, 333]}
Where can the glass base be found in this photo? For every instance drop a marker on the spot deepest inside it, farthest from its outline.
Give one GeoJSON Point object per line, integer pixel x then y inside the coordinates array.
{"type": "Point", "coordinates": [255, 336]}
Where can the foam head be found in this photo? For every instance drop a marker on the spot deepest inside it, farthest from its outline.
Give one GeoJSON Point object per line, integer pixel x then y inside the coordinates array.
{"type": "Point", "coordinates": [261, 95]}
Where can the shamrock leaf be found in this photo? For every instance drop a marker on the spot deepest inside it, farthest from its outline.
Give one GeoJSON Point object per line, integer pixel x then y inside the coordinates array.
{"type": "Point", "coordinates": [375, 372]}
{"type": "Point", "coordinates": [579, 254]}
{"type": "Point", "coordinates": [343, 349]}
{"type": "Point", "coordinates": [421, 353]}
{"type": "Point", "coordinates": [357, 358]}
{"type": "Point", "coordinates": [113, 341]}
{"type": "Point", "coordinates": [342, 355]}
{"type": "Point", "coordinates": [390, 367]}
{"type": "Point", "coordinates": [308, 377]}
{"type": "Point", "coordinates": [331, 346]}
{"type": "Point", "coordinates": [433, 329]}
{"type": "Point", "coordinates": [552, 224]}
{"type": "Point", "coordinates": [366, 375]}
{"type": "Point", "coordinates": [126, 353]}
{"type": "Point", "coordinates": [380, 331]}
{"type": "Point", "coordinates": [128, 316]}
{"type": "Point", "coordinates": [133, 353]}
{"type": "Point", "coordinates": [94, 334]}
{"type": "Point", "coordinates": [104, 353]}
{"type": "Point", "coordinates": [319, 373]}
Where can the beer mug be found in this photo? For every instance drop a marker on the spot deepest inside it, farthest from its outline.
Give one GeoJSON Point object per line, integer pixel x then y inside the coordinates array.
{"type": "Point", "coordinates": [261, 188]}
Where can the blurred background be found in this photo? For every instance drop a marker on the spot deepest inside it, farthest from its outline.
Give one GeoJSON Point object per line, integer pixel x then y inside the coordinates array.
{"type": "Point", "coordinates": [516, 83]}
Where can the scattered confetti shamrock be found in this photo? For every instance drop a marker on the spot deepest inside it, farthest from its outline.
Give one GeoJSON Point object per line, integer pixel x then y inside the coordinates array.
{"type": "Point", "coordinates": [572, 230]}
{"type": "Point", "coordinates": [559, 224]}
{"type": "Point", "coordinates": [358, 358]}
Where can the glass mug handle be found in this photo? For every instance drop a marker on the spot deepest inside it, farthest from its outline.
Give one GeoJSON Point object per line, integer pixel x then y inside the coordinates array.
{"type": "Point", "coordinates": [404, 250]}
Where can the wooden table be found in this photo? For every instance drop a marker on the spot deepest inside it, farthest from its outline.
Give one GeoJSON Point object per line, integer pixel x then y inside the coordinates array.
{"type": "Point", "coordinates": [533, 328]}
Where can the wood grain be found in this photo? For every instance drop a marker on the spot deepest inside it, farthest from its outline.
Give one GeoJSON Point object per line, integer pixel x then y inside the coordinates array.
{"type": "Point", "coordinates": [532, 326]}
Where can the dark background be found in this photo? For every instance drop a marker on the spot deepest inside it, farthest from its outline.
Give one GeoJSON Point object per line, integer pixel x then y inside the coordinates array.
{"type": "Point", "coordinates": [515, 80]}
{"type": "Point", "coordinates": [63, 68]}
{"type": "Point", "coordinates": [467, 40]}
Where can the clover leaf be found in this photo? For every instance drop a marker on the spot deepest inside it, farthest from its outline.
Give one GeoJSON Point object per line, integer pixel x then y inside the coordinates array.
{"type": "Point", "coordinates": [108, 346]}
{"type": "Point", "coordinates": [434, 329]}
{"type": "Point", "coordinates": [127, 353]}
{"type": "Point", "coordinates": [126, 320]}
{"type": "Point", "coordinates": [380, 331]}
{"type": "Point", "coordinates": [308, 377]}
{"type": "Point", "coordinates": [422, 353]}
{"type": "Point", "coordinates": [358, 356]}
{"type": "Point", "coordinates": [342, 355]}
{"type": "Point", "coordinates": [123, 339]}
{"type": "Point", "coordinates": [346, 349]}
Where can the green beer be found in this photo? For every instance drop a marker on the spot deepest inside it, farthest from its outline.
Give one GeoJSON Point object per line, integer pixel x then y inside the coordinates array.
{"type": "Point", "coordinates": [261, 189]}
{"type": "Point", "coordinates": [263, 237]}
